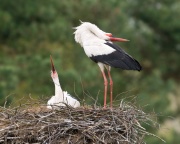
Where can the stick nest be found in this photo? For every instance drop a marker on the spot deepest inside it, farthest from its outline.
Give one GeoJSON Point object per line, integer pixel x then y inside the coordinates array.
{"type": "Point", "coordinates": [34, 123]}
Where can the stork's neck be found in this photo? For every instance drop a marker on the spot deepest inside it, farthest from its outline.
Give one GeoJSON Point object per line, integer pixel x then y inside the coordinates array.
{"type": "Point", "coordinates": [89, 32]}
{"type": "Point", "coordinates": [58, 90]}
{"type": "Point", "coordinates": [89, 36]}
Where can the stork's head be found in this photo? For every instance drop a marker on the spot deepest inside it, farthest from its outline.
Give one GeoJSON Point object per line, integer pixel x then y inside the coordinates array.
{"type": "Point", "coordinates": [88, 31]}
{"type": "Point", "coordinates": [54, 74]}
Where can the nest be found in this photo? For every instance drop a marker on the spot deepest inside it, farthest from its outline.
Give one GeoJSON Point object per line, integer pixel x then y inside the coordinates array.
{"type": "Point", "coordinates": [34, 123]}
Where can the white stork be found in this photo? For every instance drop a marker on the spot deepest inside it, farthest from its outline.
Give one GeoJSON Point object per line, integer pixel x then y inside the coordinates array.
{"type": "Point", "coordinates": [99, 47]}
{"type": "Point", "coordinates": [61, 98]}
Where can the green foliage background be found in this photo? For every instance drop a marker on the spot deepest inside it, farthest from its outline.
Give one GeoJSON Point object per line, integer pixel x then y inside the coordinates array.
{"type": "Point", "coordinates": [32, 30]}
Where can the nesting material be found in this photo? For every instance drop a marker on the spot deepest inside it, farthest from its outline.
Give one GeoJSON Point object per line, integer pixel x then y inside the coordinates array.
{"type": "Point", "coordinates": [34, 123]}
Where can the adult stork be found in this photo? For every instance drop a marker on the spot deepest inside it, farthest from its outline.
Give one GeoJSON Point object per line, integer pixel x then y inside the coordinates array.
{"type": "Point", "coordinates": [61, 98]}
{"type": "Point", "coordinates": [99, 47]}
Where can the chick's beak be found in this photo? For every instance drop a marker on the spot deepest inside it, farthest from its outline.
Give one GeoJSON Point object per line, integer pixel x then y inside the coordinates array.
{"type": "Point", "coordinates": [52, 65]}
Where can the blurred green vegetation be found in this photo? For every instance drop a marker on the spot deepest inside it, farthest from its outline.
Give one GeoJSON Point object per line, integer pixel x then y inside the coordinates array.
{"type": "Point", "coordinates": [32, 30]}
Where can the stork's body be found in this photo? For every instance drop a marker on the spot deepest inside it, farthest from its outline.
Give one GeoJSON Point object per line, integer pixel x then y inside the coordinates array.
{"type": "Point", "coordinates": [99, 47]}
{"type": "Point", "coordinates": [61, 98]}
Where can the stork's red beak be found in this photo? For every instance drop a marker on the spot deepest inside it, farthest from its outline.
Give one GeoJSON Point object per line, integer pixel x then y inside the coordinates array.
{"type": "Point", "coordinates": [52, 65]}
{"type": "Point", "coordinates": [118, 39]}
{"type": "Point", "coordinates": [111, 38]}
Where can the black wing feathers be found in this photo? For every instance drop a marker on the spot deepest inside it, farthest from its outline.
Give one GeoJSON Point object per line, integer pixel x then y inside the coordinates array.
{"type": "Point", "coordinates": [118, 59]}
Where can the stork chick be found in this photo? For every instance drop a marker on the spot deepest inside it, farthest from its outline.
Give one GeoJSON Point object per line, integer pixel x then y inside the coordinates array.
{"type": "Point", "coordinates": [61, 98]}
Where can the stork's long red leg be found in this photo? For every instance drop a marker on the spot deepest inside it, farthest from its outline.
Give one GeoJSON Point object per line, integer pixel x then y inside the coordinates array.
{"type": "Point", "coordinates": [105, 88]}
{"type": "Point", "coordinates": [111, 87]}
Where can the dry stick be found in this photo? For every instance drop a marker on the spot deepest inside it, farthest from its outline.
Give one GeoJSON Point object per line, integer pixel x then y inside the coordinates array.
{"type": "Point", "coordinates": [83, 92]}
{"type": "Point", "coordinates": [75, 92]}
{"type": "Point", "coordinates": [94, 124]}
{"type": "Point", "coordinates": [6, 98]}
